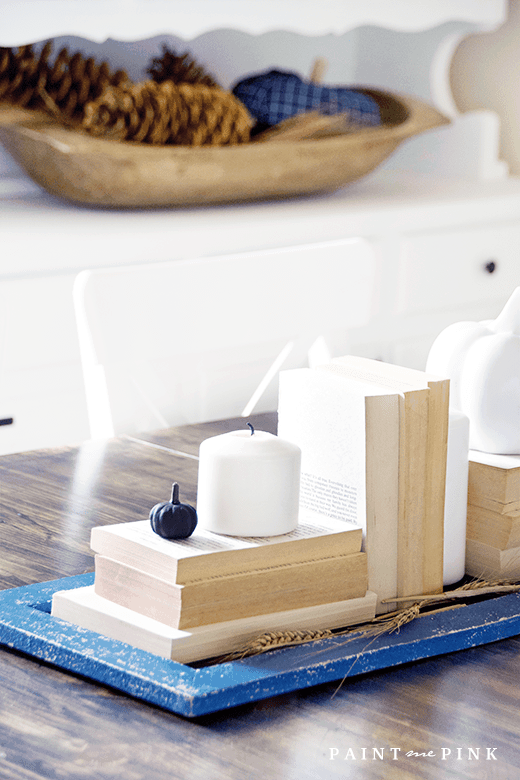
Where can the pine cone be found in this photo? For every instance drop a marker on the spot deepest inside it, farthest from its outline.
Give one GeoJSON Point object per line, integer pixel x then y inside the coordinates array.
{"type": "Point", "coordinates": [179, 69]}
{"type": "Point", "coordinates": [169, 113]}
{"type": "Point", "coordinates": [30, 80]}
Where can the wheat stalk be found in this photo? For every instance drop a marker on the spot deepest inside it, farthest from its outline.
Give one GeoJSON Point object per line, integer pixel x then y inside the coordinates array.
{"type": "Point", "coordinates": [382, 624]}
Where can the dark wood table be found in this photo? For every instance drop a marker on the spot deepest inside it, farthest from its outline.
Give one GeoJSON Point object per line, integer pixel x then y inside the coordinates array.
{"type": "Point", "coordinates": [58, 725]}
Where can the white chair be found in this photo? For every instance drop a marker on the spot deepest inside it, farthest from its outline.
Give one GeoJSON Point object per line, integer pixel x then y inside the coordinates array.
{"type": "Point", "coordinates": [196, 340]}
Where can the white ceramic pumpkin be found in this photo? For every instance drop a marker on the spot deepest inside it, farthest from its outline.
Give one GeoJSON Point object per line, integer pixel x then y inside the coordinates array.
{"type": "Point", "coordinates": [482, 360]}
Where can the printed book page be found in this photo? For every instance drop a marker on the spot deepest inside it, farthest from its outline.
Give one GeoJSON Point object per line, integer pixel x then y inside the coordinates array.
{"type": "Point", "coordinates": [204, 542]}
{"type": "Point", "coordinates": [325, 415]}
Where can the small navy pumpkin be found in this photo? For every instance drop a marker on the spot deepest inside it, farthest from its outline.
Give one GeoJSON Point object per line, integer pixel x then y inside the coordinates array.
{"type": "Point", "coordinates": [173, 520]}
{"type": "Point", "coordinates": [276, 95]}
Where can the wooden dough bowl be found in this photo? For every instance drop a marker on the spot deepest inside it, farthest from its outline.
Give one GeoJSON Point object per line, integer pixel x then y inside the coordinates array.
{"type": "Point", "coordinates": [94, 171]}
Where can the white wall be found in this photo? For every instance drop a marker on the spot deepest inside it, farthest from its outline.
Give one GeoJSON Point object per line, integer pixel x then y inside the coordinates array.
{"type": "Point", "coordinates": [485, 74]}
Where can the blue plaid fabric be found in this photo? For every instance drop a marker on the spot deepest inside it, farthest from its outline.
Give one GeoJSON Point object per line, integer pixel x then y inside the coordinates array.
{"type": "Point", "coordinates": [277, 95]}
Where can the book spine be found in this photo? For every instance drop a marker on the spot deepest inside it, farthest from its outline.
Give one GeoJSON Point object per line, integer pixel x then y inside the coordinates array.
{"type": "Point", "coordinates": [414, 410]}
{"type": "Point", "coordinates": [494, 484]}
{"type": "Point", "coordinates": [134, 551]}
{"type": "Point", "coordinates": [437, 453]}
{"type": "Point", "coordinates": [82, 607]}
{"type": "Point", "coordinates": [230, 598]}
{"type": "Point", "coordinates": [382, 499]}
{"type": "Point", "coordinates": [498, 530]}
{"type": "Point", "coordinates": [484, 560]}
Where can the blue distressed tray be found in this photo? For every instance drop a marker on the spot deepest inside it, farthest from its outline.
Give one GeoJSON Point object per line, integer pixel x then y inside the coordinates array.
{"type": "Point", "coordinates": [26, 625]}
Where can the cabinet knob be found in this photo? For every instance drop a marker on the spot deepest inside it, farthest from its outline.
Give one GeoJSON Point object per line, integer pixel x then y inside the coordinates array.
{"type": "Point", "coordinates": [490, 266]}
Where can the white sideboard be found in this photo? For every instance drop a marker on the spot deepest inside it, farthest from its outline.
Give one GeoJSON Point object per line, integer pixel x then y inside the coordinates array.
{"type": "Point", "coordinates": [442, 214]}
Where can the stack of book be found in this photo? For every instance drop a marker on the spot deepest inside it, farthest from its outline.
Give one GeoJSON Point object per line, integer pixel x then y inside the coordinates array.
{"type": "Point", "coordinates": [493, 521]}
{"type": "Point", "coordinates": [374, 447]}
{"type": "Point", "coordinates": [206, 595]}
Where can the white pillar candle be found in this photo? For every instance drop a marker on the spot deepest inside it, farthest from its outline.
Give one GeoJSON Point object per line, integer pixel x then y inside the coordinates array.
{"type": "Point", "coordinates": [248, 484]}
{"type": "Point", "coordinates": [456, 501]}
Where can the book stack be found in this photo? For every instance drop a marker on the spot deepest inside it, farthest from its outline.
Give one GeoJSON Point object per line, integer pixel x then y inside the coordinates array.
{"type": "Point", "coordinates": [206, 595]}
{"type": "Point", "coordinates": [374, 447]}
{"type": "Point", "coordinates": [493, 520]}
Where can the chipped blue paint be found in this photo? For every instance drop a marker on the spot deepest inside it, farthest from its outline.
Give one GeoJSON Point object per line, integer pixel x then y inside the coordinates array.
{"type": "Point", "coordinates": [26, 625]}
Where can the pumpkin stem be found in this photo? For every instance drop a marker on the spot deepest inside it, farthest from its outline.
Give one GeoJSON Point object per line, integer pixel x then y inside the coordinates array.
{"type": "Point", "coordinates": [175, 493]}
{"type": "Point", "coordinates": [508, 321]}
{"type": "Point", "coordinates": [252, 429]}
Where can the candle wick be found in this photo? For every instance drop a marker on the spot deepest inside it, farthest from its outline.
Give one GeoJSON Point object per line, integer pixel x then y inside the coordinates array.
{"type": "Point", "coordinates": [252, 429]}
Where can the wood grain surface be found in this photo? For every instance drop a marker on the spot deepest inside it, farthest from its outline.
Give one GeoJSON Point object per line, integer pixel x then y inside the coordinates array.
{"type": "Point", "coordinates": [58, 725]}
{"type": "Point", "coordinates": [188, 438]}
